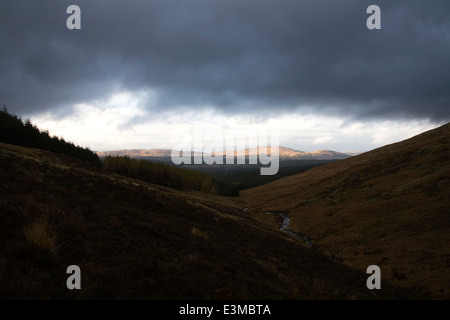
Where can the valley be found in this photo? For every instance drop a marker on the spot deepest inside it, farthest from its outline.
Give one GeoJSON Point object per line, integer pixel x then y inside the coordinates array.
{"type": "Point", "coordinates": [137, 240]}
{"type": "Point", "coordinates": [143, 230]}
{"type": "Point", "coordinates": [387, 207]}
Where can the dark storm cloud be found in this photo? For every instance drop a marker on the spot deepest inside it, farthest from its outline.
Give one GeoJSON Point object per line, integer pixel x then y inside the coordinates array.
{"type": "Point", "coordinates": [235, 55]}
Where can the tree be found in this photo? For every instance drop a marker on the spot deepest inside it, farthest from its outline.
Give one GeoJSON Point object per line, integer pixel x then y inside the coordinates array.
{"type": "Point", "coordinates": [13, 130]}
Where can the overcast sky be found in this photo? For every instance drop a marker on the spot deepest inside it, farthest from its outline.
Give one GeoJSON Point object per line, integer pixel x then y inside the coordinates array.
{"type": "Point", "coordinates": [139, 70]}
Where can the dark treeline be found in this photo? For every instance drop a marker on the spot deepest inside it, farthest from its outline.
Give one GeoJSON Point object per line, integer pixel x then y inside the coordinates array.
{"type": "Point", "coordinates": [160, 173]}
{"type": "Point", "coordinates": [15, 131]}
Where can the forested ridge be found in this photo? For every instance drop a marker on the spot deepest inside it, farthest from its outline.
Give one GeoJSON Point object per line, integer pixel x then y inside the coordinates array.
{"type": "Point", "coordinates": [160, 173]}
{"type": "Point", "coordinates": [15, 131]}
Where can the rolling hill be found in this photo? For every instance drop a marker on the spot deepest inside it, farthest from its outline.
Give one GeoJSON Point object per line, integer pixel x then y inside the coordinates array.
{"type": "Point", "coordinates": [284, 153]}
{"type": "Point", "coordinates": [136, 153]}
{"type": "Point", "coordinates": [291, 154]}
{"type": "Point", "coordinates": [136, 240]}
{"type": "Point", "coordinates": [388, 207]}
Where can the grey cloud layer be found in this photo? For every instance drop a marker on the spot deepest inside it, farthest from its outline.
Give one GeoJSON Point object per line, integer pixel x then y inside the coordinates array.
{"type": "Point", "coordinates": [235, 55]}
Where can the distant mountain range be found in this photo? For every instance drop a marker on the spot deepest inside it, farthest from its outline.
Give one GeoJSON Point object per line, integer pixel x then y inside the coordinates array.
{"type": "Point", "coordinates": [137, 153]}
{"type": "Point", "coordinates": [284, 153]}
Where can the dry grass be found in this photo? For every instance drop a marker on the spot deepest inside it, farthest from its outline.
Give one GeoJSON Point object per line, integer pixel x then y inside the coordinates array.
{"type": "Point", "coordinates": [42, 233]}
{"type": "Point", "coordinates": [199, 233]}
{"type": "Point", "coordinates": [43, 224]}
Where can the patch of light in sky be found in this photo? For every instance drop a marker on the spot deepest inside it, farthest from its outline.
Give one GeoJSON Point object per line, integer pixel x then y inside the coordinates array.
{"type": "Point", "coordinates": [110, 125]}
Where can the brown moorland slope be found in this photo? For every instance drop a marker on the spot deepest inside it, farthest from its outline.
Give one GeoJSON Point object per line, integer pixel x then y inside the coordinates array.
{"type": "Point", "coordinates": [135, 240]}
{"type": "Point", "coordinates": [388, 207]}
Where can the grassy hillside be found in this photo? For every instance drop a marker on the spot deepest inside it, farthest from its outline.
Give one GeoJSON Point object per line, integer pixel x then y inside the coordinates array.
{"type": "Point", "coordinates": [388, 207]}
{"type": "Point", "coordinates": [137, 240]}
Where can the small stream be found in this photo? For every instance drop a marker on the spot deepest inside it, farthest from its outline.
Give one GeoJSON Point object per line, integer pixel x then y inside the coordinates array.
{"type": "Point", "coordinates": [285, 224]}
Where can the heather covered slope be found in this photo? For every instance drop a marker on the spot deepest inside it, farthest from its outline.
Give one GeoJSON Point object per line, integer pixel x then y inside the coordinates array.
{"type": "Point", "coordinates": [389, 207]}
{"type": "Point", "coordinates": [133, 239]}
